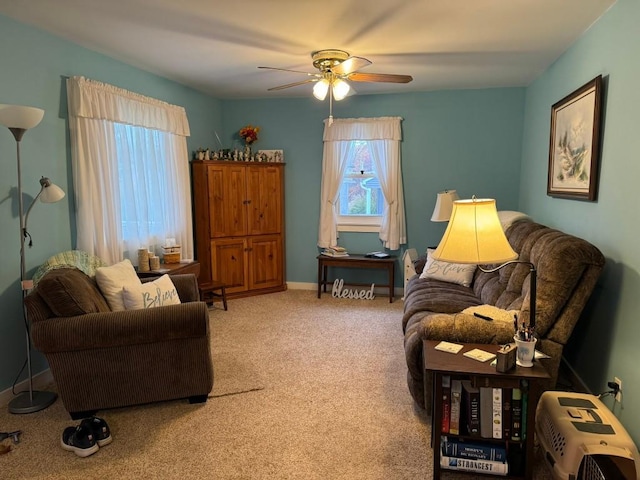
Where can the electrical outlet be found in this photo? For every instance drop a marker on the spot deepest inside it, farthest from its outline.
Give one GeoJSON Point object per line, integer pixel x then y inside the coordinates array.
{"type": "Point", "coordinates": [619, 392]}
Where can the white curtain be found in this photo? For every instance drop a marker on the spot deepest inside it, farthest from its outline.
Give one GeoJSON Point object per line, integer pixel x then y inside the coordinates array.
{"type": "Point", "coordinates": [114, 161]}
{"type": "Point", "coordinates": [383, 135]}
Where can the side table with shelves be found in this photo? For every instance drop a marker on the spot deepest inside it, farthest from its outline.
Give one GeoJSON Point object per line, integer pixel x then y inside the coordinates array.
{"type": "Point", "coordinates": [482, 374]}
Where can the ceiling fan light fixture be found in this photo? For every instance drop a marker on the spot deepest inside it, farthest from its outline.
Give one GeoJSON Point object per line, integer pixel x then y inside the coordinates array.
{"type": "Point", "coordinates": [340, 89]}
{"type": "Point", "coordinates": [321, 88]}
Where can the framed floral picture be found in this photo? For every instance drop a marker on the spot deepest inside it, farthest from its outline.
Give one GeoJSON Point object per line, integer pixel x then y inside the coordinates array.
{"type": "Point", "coordinates": [574, 147]}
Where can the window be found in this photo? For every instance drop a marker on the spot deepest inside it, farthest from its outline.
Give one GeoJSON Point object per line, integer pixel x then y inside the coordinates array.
{"type": "Point", "coordinates": [360, 200]}
{"type": "Point", "coordinates": [131, 178]}
{"type": "Point", "coordinates": [362, 180]}
{"type": "Point", "coordinates": [139, 152]}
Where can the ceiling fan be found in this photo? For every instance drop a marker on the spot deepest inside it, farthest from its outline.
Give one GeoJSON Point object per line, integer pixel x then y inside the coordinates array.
{"type": "Point", "coordinates": [335, 68]}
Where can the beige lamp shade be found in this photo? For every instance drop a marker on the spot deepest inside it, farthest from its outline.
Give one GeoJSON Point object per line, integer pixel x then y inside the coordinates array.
{"type": "Point", "coordinates": [474, 235]}
{"type": "Point", "coordinates": [18, 116]}
{"type": "Point", "coordinates": [444, 206]}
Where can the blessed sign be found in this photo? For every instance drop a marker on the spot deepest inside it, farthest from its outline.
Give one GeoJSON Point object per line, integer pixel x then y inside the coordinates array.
{"type": "Point", "coordinates": [338, 291]}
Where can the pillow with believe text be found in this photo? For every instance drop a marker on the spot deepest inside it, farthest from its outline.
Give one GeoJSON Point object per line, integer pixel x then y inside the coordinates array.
{"type": "Point", "coordinates": [158, 293]}
{"type": "Point", "coordinates": [460, 273]}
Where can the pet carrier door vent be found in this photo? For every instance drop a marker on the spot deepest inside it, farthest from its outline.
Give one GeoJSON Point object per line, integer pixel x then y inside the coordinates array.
{"type": "Point", "coordinates": [549, 430]}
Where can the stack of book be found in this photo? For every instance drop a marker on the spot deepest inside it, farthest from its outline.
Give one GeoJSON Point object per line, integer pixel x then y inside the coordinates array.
{"type": "Point", "coordinates": [335, 251]}
{"type": "Point", "coordinates": [475, 413]}
{"type": "Point", "coordinates": [469, 456]}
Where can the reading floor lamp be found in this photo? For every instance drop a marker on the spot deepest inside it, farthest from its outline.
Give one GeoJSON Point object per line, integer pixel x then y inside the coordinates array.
{"type": "Point", "coordinates": [19, 119]}
{"type": "Point", "coordinates": [475, 235]}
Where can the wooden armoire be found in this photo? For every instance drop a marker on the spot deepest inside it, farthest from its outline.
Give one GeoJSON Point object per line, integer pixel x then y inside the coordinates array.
{"type": "Point", "coordinates": [239, 224]}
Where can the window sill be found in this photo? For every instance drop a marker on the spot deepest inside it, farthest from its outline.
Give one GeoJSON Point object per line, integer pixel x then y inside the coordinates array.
{"type": "Point", "coordinates": [359, 228]}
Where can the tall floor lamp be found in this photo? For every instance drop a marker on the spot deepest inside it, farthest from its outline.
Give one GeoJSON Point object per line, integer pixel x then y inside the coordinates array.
{"type": "Point", "coordinates": [19, 119]}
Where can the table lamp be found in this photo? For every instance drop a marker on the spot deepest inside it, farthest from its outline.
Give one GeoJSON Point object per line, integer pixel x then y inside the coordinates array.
{"type": "Point", "coordinates": [444, 206]}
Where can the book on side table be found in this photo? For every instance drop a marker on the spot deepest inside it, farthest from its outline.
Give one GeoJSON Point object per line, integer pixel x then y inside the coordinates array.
{"type": "Point", "coordinates": [335, 251]}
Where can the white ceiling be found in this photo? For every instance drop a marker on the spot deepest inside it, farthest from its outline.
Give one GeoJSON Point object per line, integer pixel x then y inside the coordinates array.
{"type": "Point", "coordinates": [215, 46]}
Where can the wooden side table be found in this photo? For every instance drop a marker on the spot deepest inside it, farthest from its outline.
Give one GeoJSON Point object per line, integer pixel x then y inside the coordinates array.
{"type": "Point", "coordinates": [481, 374]}
{"type": "Point", "coordinates": [356, 261]}
{"type": "Point", "coordinates": [185, 266]}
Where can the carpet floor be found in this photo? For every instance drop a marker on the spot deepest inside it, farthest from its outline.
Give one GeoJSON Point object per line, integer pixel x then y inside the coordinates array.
{"type": "Point", "coordinates": [304, 388]}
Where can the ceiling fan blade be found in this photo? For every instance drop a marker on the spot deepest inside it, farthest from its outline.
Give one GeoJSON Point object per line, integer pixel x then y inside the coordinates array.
{"type": "Point", "coordinates": [294, 71]}
{"type": "Point", "coordinates": [379, 77]}
{"type": "Point", "coordinates": [295, 84]}
{"type": "Point", "coordinates": [350, 65]}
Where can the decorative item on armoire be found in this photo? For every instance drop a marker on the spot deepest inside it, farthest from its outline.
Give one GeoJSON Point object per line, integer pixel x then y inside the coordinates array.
{"type": "Point", "coordinates": [249, 135]}
{"type": "Point", "coordinates": [271, 156]}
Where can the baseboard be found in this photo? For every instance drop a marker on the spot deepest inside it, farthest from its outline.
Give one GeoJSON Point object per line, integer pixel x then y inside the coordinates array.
{"type": "Point", "coordinates": [382, 291]}
{"type": "Point", "coordinates": [302, 286]}
{"type": "Point", "coordinates": [40, 381]}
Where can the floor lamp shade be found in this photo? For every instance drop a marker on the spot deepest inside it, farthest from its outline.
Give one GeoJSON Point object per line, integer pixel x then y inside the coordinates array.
{"type": "Point", "coordinates": [474, 235]}
{"type": "Point", "coordinates": [51, 193]}
{"type": "Point", "coordinates": [19, 119]}
{"type": "Point", "coordinates": [18, 116]}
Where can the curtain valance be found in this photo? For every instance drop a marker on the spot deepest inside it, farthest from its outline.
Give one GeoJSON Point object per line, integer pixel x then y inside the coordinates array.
{"type": "Point", "coordinates": [92, 99]}
{"type": "Point", "coordinates": [346, 129]}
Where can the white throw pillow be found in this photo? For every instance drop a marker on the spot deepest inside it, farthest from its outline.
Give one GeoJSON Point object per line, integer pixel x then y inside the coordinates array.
{"type": "Point", "coordinates": [111, 279]}
{"type": "Point", "coordinates": [160, 292]}
{"type": "Point", "coordinates": [460, 273]}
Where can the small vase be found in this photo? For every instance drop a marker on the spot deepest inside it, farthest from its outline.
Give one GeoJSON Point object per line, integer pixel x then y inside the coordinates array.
{"type": "Point", "coordinates": [247, 152]}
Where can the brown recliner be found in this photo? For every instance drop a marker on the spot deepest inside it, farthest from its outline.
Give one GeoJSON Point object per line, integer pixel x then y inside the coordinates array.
{"type": "Point", "coordinates": [567, 271]}
{"type": "Point", "coordinates": [104, 359]}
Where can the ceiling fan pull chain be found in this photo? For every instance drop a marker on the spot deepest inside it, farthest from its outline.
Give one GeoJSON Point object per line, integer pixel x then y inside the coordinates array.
{"type": "Point", "coordinates": [330, 105]}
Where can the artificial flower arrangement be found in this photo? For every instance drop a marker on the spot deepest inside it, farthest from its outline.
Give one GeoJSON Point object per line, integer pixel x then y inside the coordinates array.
{"type": "Point", "coordinates": [249, 134]}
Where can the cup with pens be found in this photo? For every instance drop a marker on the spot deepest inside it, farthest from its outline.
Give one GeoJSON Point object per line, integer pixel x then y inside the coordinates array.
{"type": "Point", "coordinates": [525, 344]}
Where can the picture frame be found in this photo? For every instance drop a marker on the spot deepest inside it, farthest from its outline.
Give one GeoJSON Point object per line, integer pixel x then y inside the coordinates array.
{"type": "Point", "coordinates": [574, 145]}
{"type": "Point", "coordinates": [272, 156]}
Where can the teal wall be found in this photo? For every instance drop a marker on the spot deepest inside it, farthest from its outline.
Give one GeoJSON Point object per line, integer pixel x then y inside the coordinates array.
{"type": "Point", "coordinates": [469, 140]}
{"type": "Point", "coordinates": [33, 72]}
{"type": "Point", "coordinates": [604, 343]}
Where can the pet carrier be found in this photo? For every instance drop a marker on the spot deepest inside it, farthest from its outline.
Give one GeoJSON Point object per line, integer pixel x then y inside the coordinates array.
{"type": "Point", "coordinates": [583, 440]}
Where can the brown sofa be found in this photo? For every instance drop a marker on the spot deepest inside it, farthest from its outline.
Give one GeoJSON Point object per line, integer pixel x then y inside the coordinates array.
{"type": "Point", "coordinates": [102, 359]}
{"type": "Point", "coordinates": [567, 271]}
